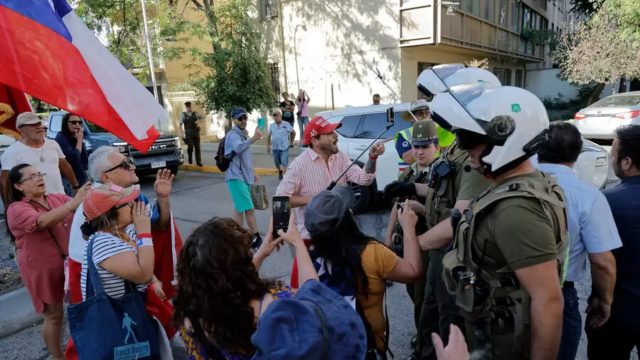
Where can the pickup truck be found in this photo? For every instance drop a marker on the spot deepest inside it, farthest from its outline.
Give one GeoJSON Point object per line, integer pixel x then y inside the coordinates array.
{"type": "Point", "coordinates": [164, 153]}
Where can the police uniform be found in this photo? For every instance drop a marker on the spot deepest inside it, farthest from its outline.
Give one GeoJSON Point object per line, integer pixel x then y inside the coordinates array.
{"type": "Point", "coordinates": [191, 135]}
{"type": "Point", "coordinates": [517, 223]}
{"type": "Point", "coordinates": [448, 182]}
{"type": "Point", "coordinates": [423, 133]}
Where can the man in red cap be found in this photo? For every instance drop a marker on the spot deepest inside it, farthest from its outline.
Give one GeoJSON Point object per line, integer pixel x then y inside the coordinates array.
{"type": "Point", "coordinates": [316, 167]}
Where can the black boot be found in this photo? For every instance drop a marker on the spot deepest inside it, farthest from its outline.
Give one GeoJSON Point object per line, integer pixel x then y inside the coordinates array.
{"type": "Point", "coordinates": [257, 241]}
{"type": "Point", "coordinates": [280, 174]}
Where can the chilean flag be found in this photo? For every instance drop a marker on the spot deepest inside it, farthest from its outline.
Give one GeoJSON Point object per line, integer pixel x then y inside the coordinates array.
{"type": "Point", "coordinates": [49, 53]}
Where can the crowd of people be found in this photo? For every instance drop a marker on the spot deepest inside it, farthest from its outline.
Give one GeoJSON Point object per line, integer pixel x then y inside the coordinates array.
{"type": "Point", "coordinates": [489, 228]}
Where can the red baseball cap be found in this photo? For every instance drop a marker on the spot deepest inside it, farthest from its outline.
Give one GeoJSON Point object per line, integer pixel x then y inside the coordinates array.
{"type": "Point", "coordinates": [105, 197]}
{"type": "Point", "coordinates": [318, 126]}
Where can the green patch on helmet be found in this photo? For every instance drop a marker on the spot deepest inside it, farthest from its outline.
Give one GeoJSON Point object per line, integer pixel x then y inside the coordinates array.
{"type": "Point", "coordinates": [515, 108]}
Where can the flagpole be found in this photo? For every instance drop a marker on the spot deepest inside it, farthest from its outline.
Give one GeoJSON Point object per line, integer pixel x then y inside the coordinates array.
{"type": "Point", "coordinates": [151, 67]}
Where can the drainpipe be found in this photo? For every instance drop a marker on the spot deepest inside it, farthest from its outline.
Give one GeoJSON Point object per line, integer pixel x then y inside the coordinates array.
{"type": "Point", "coordinates": [284, 61]}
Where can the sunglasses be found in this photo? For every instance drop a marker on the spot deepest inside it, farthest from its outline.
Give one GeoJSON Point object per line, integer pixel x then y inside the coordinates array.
{"type": "Point", "coordinates": [126, 164]}
{"type": "Point", "coordinates": [130, 204]}
{"type": "Point", "coordinates": [75, 122]}
{"type": "Point", "coordinates": [242, 118]}
{"type": "Point", "coordinates": [33, 177]}
{"type": "Point", "coordinates": [421, 146]}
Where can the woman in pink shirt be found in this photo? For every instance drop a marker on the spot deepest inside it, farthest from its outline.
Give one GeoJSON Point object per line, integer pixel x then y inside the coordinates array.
{"type": "Point", "coordinates": [302, 101]}
{"type": "Point", "coordinates": [39, 224]}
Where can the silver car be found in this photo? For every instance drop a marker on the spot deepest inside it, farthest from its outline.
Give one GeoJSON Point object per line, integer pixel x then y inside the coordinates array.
{"type": "Point", "coordinates": [600, 120]}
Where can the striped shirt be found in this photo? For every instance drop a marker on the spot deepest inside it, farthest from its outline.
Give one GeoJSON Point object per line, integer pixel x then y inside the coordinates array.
{"type": "Point", "coordinates": [106, 245]}
{"type": "Point", "coordinates": [308, 175]}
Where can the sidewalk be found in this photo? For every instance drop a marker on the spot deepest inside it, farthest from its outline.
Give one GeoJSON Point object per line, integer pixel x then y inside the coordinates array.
{"type": "Point", "coordinates": [262, 161]}
{"type": "Point", "coordinates": [17, 312]}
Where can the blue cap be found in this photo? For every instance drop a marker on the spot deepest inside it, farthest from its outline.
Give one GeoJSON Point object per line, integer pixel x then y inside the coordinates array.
{"type": "Point", "coordinates": [316, 324]}
{"type": "Point", "coordinates": [238, 112]}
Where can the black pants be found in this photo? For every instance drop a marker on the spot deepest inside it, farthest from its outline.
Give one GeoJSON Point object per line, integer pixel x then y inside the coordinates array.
{"type": "Point", "coordinates": [193, 143]}
{"type": "Point", "coordinates": [613, 340]}
{"type": "Point", "coordinates": [416, 289]}
{"type": "Point", "coordinates": [438, 310]}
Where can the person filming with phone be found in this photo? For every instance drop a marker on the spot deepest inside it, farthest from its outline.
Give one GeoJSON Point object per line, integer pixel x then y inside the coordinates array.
{"type": "Point", "coordinates": [317, 167]}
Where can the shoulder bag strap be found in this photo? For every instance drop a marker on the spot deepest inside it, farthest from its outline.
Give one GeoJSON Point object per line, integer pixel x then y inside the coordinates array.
{"type": "Point", "coordinates": [93, 284]}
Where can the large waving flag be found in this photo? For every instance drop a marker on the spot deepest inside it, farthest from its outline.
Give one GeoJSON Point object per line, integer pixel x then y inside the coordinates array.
{"type": "Point", "coordinates": [49, 53]}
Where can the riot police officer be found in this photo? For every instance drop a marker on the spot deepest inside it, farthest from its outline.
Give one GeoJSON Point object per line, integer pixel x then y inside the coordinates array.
{"type": "Point", "coordinates": [506, 265]}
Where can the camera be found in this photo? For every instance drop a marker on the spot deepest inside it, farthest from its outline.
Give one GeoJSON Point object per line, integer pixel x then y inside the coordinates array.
{"type": "Point", "coordinates": [441, 171]}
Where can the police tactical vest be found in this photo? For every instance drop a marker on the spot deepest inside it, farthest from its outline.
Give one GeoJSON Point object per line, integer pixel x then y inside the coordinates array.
{"type": "Point", "coordinates": [494, 301]}
{"type": "Point", "coordinates": [442, 193]}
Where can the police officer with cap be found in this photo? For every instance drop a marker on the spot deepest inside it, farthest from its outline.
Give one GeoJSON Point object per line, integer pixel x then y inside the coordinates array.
{"type": "Point", "coordinates": [506, 265]}
{"type": "Point", "coordinates": [424, 144]}
{"type": "Point", "coordinates": [419, 111]}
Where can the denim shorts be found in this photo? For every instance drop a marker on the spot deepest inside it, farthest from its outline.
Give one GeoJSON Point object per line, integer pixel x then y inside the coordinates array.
{"type": "Point", "coordinates": [281, 157]}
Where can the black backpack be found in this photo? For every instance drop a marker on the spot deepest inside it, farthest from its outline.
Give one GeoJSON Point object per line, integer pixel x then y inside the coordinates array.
{"type": "Point", "coordinates": [222, 162]}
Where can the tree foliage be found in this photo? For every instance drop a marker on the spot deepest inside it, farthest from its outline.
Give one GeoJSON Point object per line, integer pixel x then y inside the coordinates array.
{"type": "Point", "coordinates": [604, 48]}
{"type": "Point", "coordinates": [239, 75]}
{"type": "Point", "coordinates": [120, 25]}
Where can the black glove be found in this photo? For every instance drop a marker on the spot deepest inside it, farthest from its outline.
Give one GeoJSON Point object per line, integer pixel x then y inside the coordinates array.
{"type": "Point", "coordinates": [399, 189]}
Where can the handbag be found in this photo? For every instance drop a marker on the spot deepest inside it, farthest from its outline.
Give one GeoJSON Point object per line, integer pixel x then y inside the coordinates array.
{"type": "Point", "coordinates": [106, 328]}
{"type": "Point", "coordinates": [259, 196]}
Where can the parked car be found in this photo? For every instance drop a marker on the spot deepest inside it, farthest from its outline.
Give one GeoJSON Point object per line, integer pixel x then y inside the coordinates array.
{"type": "Point", "coordinates": [360, 125]}
{"type": "Point", "coordinates": [600, 120]}
{"type": "Point", "coordinates": [164, 153]}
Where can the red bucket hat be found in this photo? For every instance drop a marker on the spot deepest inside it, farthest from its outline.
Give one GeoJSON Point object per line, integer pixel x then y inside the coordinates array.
{"type": "Point", "coordinates": [104, 197]}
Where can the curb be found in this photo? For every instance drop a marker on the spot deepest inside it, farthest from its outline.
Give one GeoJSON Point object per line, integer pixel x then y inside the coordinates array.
{"type": "Point", "coordinates": [214, 170]}
{"type": "Point", "coordinates": [18, 314]}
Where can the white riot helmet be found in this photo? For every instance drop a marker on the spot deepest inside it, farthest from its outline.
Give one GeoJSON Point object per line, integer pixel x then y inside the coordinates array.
{"type": "Point", "coordinates": [511, 120]}
{"type": "Point", "coordinates": [441, 78]}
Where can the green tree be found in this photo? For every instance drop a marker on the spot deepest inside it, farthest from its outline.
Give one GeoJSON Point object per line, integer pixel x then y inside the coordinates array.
{"type": "Point", "coordinates": [238, 71]}
{"type": "Point", "coordinates": [119, 23]}
{"type": "Point", "coordinates": [604, 48]}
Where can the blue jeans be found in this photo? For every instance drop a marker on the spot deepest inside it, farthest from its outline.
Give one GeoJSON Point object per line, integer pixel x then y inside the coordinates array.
{"type": "Point", "coordinates": [571, 325]}
{"type": "Point", "coordinates": [281, 157]}
{"type": "Point", "coordinates": [302, 122]}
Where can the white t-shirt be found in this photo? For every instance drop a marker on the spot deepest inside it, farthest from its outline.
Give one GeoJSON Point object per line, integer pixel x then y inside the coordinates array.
{"type": "Point", "coordinates": [106, 245]}
{"type": "Point", "coordinates": [50, 152]}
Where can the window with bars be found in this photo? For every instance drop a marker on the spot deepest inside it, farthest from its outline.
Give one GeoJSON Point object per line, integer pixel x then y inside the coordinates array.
{"type": "Point", "coordinates": [421, 67]}
{"type": "Point", "coordinates": [268, 9]}
{"type": "Point", "coordinates": [274, 72]}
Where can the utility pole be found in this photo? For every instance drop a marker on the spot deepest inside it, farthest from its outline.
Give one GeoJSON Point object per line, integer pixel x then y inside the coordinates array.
{"type": "Point", "coordinates": [151, 67]}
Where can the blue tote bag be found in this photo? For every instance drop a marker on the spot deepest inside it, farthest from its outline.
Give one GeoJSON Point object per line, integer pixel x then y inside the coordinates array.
{"type": "Point", "coordinates": [106, 328]}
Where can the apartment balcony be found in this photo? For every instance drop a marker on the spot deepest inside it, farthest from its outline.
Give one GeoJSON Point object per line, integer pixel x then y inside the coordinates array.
{"type": "Point", "coordinates": [484, 26]}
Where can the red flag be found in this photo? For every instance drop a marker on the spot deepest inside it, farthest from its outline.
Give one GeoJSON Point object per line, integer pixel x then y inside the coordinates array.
{"type": "Point", "coordinates": [12, 103]}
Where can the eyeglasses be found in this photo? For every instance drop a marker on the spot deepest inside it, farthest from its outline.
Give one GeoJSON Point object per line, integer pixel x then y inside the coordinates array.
{"type": "Point", "coordinates": [130, 204]}
{"type": "Point", "coordinates": [34, 177]}
{"type": "Point", "coordinates": [242, 118]}
{"type": "Point", "coordinates": [75, 122]}
{"type": "Point", "coordinates": [126, 164]}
